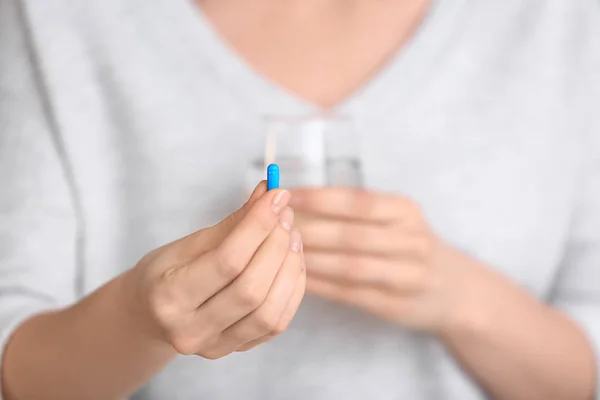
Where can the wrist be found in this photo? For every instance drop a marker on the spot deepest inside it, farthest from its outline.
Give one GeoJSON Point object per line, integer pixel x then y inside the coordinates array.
{"type": "Point", "coordinates": [472, 291]}
{"type": "Point", "coordinates": [480, 299]}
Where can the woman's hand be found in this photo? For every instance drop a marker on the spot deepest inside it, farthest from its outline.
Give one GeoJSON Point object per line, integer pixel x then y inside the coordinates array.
{"type": "Point", "coordinates": [376, 252]}
{"type": "Point", "coordinates": [226, 288]}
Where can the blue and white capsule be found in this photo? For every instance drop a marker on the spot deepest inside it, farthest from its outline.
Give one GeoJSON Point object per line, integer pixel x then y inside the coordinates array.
{"type": "Point", "coordinates": [272, 177]}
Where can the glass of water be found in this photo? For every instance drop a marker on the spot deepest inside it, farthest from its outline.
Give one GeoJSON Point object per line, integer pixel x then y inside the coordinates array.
{"type": "Point", "coordinates": [319, 150]}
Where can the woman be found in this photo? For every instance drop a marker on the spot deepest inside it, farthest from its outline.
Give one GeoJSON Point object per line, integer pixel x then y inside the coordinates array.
{"type": "Point", "coordinates": [467, 269]}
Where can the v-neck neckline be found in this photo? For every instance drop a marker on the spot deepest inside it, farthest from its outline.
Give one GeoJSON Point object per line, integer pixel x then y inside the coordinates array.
{"type": "Point", "coordinates": [414, 62]}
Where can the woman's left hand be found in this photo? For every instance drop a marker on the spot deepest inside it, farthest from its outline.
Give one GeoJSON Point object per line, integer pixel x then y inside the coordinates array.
{"type": "Point", "coordinates": [376, 252]}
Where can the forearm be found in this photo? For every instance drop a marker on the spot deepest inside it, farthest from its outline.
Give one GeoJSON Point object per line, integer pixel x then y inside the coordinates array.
{"type": "Point", "coordinates": [94, 350]}
{"type": "Point", "coordinates": [515, 346]}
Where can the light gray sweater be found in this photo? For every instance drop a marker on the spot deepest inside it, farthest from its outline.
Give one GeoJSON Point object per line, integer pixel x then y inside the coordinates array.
{"type": "Point", "coordinates": [119, 120]}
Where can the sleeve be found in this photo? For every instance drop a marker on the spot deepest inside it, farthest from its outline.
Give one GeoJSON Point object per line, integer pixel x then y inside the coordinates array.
{"type": "Point", "coordinates": [38, 225]}
{"type": "Point", "coordinates": [577, 290]}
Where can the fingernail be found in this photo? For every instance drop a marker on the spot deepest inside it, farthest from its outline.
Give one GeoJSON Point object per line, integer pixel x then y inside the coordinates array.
{"type": "Point", "coordinates": [287, 218]}
{"type": "Point", "coordinates": [295, 241]}
{"type": "Point", "coordinates": [280, 201]}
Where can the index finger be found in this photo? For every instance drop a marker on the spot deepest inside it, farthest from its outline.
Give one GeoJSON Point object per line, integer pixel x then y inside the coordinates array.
{"type": "Point", "coordinates": [236, 251]}
{"type": "Point", "coordinates": [349, 203]}
{"type": "Point", "coordinates": [215, 269]}
{"type": "Point", "coordinates": [221, 230]}
{"type": "Point", "coordinates": [201, 241]}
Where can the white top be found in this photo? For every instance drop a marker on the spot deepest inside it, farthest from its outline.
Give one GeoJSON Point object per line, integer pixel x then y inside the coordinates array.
{"type": "Point", "coordinates": [125, 124]}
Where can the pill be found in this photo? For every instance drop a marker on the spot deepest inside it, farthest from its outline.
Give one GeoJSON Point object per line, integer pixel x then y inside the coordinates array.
{"type": "Point", "coordinates": [272, 176]}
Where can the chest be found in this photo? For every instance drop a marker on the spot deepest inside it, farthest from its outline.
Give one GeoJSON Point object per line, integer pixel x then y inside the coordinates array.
{"type": "Point", "coordinates": [162, 154]}
{"type": "Point", "coordinates": [496, 190]}
{"type": "Point", "coordinates": [321, 52]}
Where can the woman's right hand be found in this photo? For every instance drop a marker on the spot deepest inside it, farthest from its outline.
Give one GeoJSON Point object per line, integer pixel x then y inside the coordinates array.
{"type": "Point", "coordinates": [226, 288]}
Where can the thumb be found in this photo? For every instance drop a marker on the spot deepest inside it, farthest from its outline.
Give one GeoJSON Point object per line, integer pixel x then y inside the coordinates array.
{"type": "Point", "coordinates": [259, 190]}
{"type": "Point", "coordinates": [232, 220]}
{"type": "Point", "coordinates": [210, 238]}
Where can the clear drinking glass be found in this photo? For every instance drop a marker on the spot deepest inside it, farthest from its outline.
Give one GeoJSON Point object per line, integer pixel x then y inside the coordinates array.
{"type": "Point", "coordinates": [319, 150]}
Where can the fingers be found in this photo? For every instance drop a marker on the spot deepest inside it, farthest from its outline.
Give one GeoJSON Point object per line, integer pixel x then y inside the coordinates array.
{"type": "Point", "coordinates": [369, 299]}
{"type": "Point", "coordinates": [380, 273]}
{"type": "Point", "coordinates": [209, 238]}
{"type": "Point", "coordinates": [273, 316]}
{"type": "Point", "coordinates": [248, 292]}
{"type": "Point", "coordinates": [259, 190]}
{"type": "Point", "coordinates": [351, 203]}
{"type": "Point", "coordinates": [238, 248]}
{"type": "Point", "coordinates": [209, 273]}
{"type": "Point", "coordinates": [222, 229]}
{"type": "Point", "coordinates": [356, 237]}
{"type": "Point", "coordinates": [285, 320]}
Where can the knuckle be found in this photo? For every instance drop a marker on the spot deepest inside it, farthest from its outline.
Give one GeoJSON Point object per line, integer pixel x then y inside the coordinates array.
{"type": "Point", "coordinates": [279, 329]}
{"type": "Point", "coordinates": [230, 221]}
{"type": "Point", "coordinates": [229, 264]}
{"type": "Point", "coordinates": [164, 299]}
{"type": "Point", "coordinates": [165, 312]}
{"type": "Point", "coordinates": [249, 296]}
{"type": "Point", "coordinates": [246, 347]}
{"type": "Point", "coordinates": [185, 344]}
{"type": "Point", "coordinates": [266, 321]}
{"type": "Point", "coordinates": [265, 221]}
{"type": "Point", "coordinates": [212, 354]}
